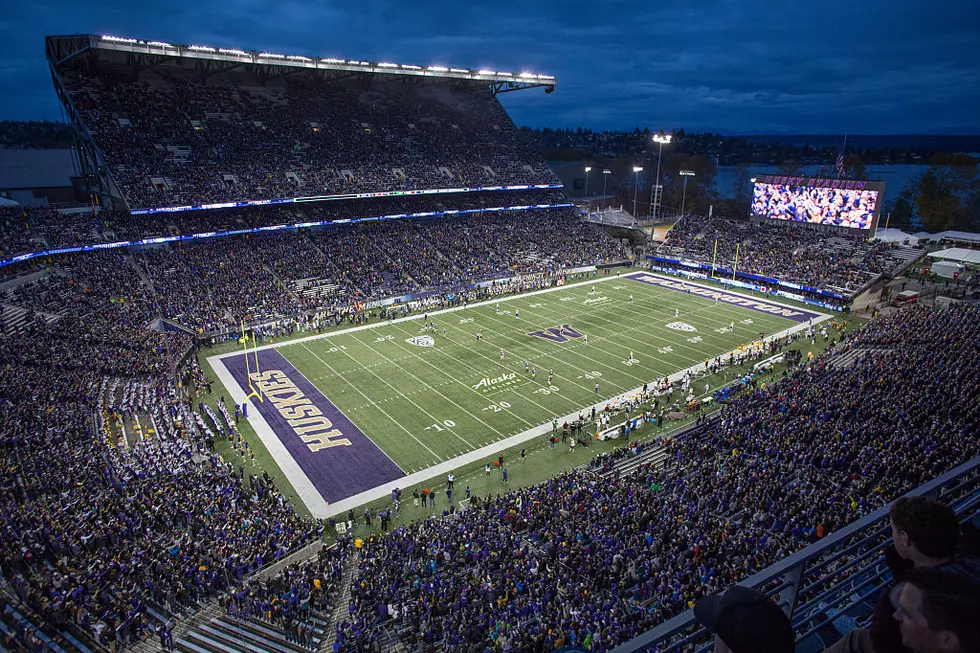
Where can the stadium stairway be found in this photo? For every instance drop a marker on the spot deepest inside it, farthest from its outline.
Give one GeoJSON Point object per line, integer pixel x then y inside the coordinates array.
{"type": "Point", "coordinates": [340, 608]}
{"type": "Point", "coordinates": [13, 319]}
{"type": "Point", "coordinates": [214, 631]}
{"type": "Point", "coordinates": [848, 358]}
{"type": "Point", "coordinates": [230, 634]}
{"type": "Point", "coordinates": [654, 454]}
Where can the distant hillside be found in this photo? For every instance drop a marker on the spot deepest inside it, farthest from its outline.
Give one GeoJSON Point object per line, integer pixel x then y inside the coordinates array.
{"type": "Point", "coordinates": [936, 142]}
{"type": "Point", "coordinates": [32, 134]}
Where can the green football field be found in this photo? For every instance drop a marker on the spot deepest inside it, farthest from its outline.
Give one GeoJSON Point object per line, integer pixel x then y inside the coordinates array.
{"type": "Point", "coordinates": [427, 401]}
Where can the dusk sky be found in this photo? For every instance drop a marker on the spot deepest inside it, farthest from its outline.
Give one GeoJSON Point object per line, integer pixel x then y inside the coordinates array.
{"type": "Point", "coordinates": [737, 66]}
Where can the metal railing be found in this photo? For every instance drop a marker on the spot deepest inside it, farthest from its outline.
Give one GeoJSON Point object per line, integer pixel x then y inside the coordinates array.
{"type": "Point", "coordinates": [817, 584]}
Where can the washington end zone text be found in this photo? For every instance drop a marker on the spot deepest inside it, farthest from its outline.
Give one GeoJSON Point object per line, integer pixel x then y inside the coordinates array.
{"type": "Point", "coordinates": [306, 420]}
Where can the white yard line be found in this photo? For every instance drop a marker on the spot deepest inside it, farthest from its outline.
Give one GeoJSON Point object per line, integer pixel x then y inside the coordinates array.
{"type": "Point", "coordinates": [559, 359]}
{"type": "Point", "coordinates": [432, 388]}
{"type": "Point", "coordinates": [444, 352]}
{"type": "Point", "coordinates": [373, 403]}
{"type": "Point", "coordinates": [322, 511]}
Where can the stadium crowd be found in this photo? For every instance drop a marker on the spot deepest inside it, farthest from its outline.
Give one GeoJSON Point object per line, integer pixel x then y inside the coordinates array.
{"type": "Point", "coordinates": [173, 140]}
{"type": "Point", "coordinates": [110, 501]}
{"type": "Point", "coordinates": [788, 252]}
{"type": "Point", "coordinates": [214, 284]}
{"type": "Point", "coordinates": [155, 519]}
{"type": "Point", "coordinates": [580, 560]}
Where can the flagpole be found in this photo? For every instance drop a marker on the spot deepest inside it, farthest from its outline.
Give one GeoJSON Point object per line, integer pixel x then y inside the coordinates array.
{"type": "Point", "coordinates": [736, 261]}
{"type": "Point", "coordinates": [840, 158]}
{"type": "Point", "coordinates": [713, 257]}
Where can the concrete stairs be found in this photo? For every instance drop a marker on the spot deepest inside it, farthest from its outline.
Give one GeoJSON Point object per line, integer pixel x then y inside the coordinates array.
{"type": "Point", "coordinates": [13, 319]}
{"type": "Point", "coordinates": [339, 611]}
{"type": "Point", "coordinates": [655, 455]}
{"type": "Point", "coordinates": [227, 633]}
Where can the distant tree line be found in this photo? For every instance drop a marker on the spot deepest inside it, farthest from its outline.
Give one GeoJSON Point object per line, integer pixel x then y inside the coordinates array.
{"type": "Point", "coordinates": [34, 134]}
{"type": "Point", "coordinates": [945, 196]}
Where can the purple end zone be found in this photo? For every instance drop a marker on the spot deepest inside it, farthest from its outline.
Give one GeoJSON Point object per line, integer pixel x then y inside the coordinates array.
{"type": "Point", "coordinates": [789, 312]}
{"type": "Point", "coordinates": [338, 471]}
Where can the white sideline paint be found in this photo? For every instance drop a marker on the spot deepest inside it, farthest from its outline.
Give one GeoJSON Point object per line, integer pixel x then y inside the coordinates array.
{"type": "Point", "coordinates": [315, 502]}
{"type": "Point", "coordinates": [301, 483]}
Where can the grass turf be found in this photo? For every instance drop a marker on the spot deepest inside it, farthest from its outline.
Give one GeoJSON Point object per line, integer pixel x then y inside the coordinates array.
{"type": "Point", "coordinates": [424, 405]}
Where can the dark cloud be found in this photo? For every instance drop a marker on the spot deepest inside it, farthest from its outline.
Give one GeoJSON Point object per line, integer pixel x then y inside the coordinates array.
{"type": "Point", "coordinates": [735, 65]}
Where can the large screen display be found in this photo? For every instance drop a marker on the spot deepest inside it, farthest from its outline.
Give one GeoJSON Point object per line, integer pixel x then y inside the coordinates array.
{"type": "Point", "coordinates": [840, 203]}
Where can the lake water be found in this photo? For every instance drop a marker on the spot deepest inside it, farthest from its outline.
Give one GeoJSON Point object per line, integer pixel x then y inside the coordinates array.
{"type": "Point", "coordinates": [894, 176]}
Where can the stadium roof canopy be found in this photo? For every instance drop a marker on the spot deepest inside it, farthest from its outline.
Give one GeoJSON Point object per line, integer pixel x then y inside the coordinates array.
{"type": "Point", "coordinates": [134, 52]}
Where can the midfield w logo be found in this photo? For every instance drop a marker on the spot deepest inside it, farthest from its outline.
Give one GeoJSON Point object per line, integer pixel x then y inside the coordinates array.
{"type": "Point", "coordinates": [557, 334]}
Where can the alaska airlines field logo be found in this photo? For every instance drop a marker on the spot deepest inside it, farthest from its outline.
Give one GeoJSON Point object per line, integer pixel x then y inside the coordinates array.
{"type": "Point", "coordinates": [681, 326]}
{"type": "Point", "coordinates": [557, 334]}
{"type": "Point", "coordinates": [487, 383]}
{"type": "Point", "coordinates": [421, 341]}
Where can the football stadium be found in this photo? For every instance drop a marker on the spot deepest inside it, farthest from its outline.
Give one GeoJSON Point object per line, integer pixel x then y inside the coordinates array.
{"type": "Point", "coordinates": [330, 359]}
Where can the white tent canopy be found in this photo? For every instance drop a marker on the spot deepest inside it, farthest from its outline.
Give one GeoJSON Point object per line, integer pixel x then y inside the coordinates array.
{"type": "Point", "coordinates": [958, 254]}
{"type": "Point", "coordinates": [896, 236]}
{"type": "Point", "coordinates": [962, 236]}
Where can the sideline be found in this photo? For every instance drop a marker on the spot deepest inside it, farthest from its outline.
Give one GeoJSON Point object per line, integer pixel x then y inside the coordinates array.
{"type": "Point", "coordinates": [315, 502]}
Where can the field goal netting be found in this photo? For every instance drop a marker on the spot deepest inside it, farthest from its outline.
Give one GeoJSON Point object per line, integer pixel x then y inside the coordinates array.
{"type": "Point", "coordinates": [251, 362]}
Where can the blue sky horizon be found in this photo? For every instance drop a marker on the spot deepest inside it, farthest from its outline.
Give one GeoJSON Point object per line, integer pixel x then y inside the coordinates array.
{"type": "Point", "coordinates": [874, 68]}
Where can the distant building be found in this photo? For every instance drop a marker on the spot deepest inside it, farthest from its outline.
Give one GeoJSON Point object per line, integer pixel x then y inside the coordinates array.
{"type": "Point", "coordinates": [38, 177]}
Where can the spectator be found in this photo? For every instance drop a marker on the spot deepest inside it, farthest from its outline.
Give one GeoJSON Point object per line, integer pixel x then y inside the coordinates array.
{"type": "Point", "coordinates": [745, 621]}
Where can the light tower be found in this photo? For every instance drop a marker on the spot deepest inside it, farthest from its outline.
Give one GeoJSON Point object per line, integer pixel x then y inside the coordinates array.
{"type": "Point", "coordinates": [588, 169]}
{"type": "Point", "coordinates": [685, 174]}
{"type": "Point", "coordinates": [660, 139]}
{"type": "Point", "coordinates": [636, 184]}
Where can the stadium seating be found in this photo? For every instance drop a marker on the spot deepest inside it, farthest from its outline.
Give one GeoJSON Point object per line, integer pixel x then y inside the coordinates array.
{"type": "Point", "coordinates": [170, 139]}
{"type": "Point", "coordinates": [579, 557]}
{"type": "Point", "coordinates": [215, 284]}
{"type": "Point", "coordinates": [786, 251]}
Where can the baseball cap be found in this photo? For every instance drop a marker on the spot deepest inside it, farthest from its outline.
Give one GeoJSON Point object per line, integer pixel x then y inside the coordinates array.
{"type": "Point", "coordinates": [747, 621]}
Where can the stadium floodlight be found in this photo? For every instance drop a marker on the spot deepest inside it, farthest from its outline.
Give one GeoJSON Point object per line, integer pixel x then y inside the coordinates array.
{"type": "Point", "coordinates": [588, 169]}
{"type": "Point", "coordinates": [160, 44]}
{"type": "Point", "coordinates": [298, 57]}
{"type": "Point", "coordinates": [272, 55]}
{"type": "Point", "coordinates": [636, 184]}
{"type": "Point", "coordinates": [685, 174]}
{"type": "Point", "coordinates": [411, 67]}
{"type": "Point", "coordinates": [528, 75]}
{"type": "Point", "coordinates": [387, 64]}
{"type": "Point", "coordinates": [202, 48]}
{"type": "Point", "coordinates": [486, 72]}
{"type": "Point", "coordinates": [661, 139]}
{"type": "Point", "coordinates": [240, 53]}
{"type": "Point", "coordinates": [118, 39]}
{"type": "Point", "coordinates": [501, 74]}
{"type": "Point", "coordinates": [438, 69]}
{"type": "Point", "coordinates": [458, 70]}
{"type": "Point", "coordinates": [333, 60]}
{"type": "Point", "coordinates": [605, 175]}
